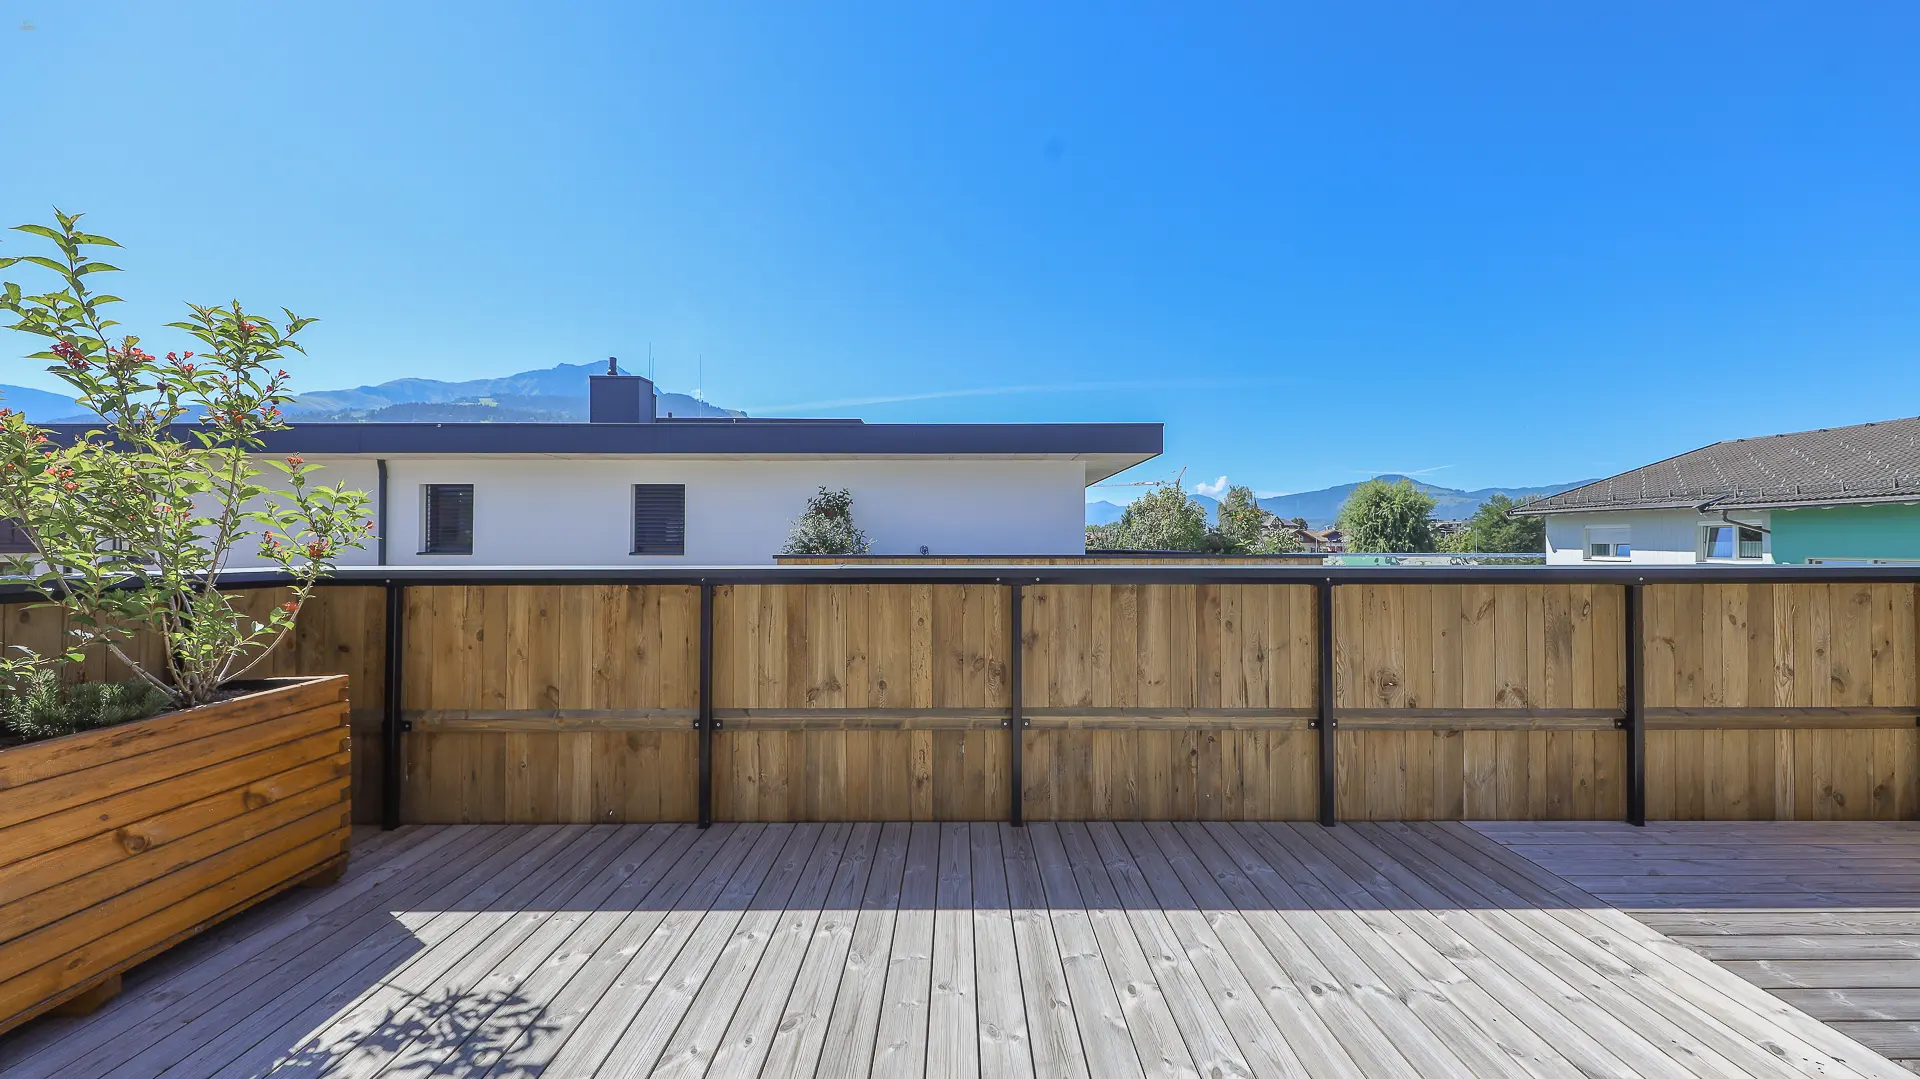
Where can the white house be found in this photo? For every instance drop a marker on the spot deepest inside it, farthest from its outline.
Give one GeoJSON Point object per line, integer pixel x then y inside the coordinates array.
{"type": "Point", "coordinates": [1833, 495]}
{"type": "Point", "coordinates": [633, 488]}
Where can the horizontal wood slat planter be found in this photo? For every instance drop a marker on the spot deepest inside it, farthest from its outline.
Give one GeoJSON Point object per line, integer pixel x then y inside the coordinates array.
{"type": "Point", "coordinates": [119, 843]}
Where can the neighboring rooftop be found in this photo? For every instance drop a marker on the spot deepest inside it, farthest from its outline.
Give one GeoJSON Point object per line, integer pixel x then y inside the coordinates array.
{"type": "Point", "coordinates": [1868, 462]}
{"type": "Point", "coordinates": [1105, 448]}
{"type": "Point", "coordinates": [627, 416]}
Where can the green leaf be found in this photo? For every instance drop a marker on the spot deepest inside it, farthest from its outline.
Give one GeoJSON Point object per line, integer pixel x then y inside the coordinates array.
{"type": "Point", "coordinates": [41, 230]}
{"type": "Point", "coordinates": [90, 238]}
{"type": "Point", "coordinates": [42, 260]}
{"type": "Point", "coordinates": [94, 267]}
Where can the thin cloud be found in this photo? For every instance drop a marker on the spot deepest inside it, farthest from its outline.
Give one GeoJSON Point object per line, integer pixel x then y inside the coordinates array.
{"type": "Point", "coordinates": [1211, 490]}
{"type": "Point", "coordinates": [1400, 471]}
{"type": "Point", "coordinates": [1003, 391]}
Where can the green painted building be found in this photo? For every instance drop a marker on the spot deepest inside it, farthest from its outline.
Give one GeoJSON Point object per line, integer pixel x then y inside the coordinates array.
{"type": "Point", "coordinates": [1884, 531]}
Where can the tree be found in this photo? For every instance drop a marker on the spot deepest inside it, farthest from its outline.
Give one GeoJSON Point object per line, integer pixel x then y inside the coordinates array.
{"type": "Point", "coordinates": [1278, 538]}
{"type": "Point", "coordinates": [130, 521]}
{"type": "Point", "coordinates": [1244, 527]}
{"type": "Point", "coordinates": [1239, 520]}
{"type": "Point", "coordinates": [1382, 517]}
{"type": "Point", "coordinates": [826, 527]}
{"type": "Point", "coordinates": [1494, 529]}
{"type": "Point", "coordinates": [1163, 519]}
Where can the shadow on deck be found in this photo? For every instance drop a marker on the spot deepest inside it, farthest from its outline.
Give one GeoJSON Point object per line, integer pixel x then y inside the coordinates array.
{"type": "Point", "coordinates": [1058, 949]}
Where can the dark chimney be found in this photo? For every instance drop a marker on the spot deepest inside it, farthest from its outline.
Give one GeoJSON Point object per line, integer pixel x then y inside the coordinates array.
{"type": "Point", "coordinates": [617, 398]}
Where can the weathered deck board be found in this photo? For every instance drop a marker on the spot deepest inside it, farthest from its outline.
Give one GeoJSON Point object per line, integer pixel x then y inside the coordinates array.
{"type": "Point", "coordinates": [1645, 1002]}
{"type": "Point", "coordinates": [802, 881]}
{"type": "Point", "coordinates": [172, 990]}
{"type": "Point", "coordinates": [1231, 949]}
{"type": "Point", "coordinates": [1826, 917]}
{"type": "Point", "coordinates": [953, 1016]}
{"type": "Point", "coordinates": [1005, 1049]}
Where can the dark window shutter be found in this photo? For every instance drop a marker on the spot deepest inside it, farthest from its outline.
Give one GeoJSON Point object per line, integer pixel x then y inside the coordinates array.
{"type": "Point", "coordinates": [13, 537]}
{"type": "Point", "coordinates": [659, 518]}
{"type": "Point", "coordinates": [449, 518]}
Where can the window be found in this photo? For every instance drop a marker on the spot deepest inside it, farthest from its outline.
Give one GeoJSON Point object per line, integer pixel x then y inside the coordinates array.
{"type": "Point", "coordinates": [13, 537]}
{"type": "Point", "coordinates": [1609, 543]}
{"type": "Point", "coordinates": [1731, 542]}
{"type": "Point", "coordinates": [659, 518]}
{"type": "Point", "coordinates": [449, 519]}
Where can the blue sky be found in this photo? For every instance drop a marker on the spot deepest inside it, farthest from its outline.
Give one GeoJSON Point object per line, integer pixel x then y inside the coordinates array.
{"type": "Point", "coordinates": [1508, 243]}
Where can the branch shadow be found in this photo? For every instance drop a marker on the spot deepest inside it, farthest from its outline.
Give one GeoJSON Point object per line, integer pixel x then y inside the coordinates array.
{"type": "Point", "coordinates": [446, 1031]}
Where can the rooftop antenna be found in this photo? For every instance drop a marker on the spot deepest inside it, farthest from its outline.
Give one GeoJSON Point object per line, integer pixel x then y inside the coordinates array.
{"type": "Point", "coordinates": [1177, 481]}
{"type": "Point", "coordinates": [649, 361]}
{"type": "Point", "coordinates": [700, 381]}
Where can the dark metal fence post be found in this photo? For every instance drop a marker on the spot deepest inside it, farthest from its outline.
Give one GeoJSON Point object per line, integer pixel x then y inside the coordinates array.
{"type": "Point", "coordinates": [705, 722]}
{"type": "Point", "coordinates": [1636, 720]}
{"type": "Point", "coordinates": [1323, 628]}
{"type": "Point", "coordinates": [1016, 722]}
{"type": "Point", "coordinates": [392, 723]}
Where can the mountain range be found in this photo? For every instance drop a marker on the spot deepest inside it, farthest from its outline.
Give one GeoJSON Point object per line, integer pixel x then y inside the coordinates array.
{"type": "Point", "coordinates": [553, 394]}
{"type": "Point", "coordinates": [38, 405]}
{"type": "Point", "coordinates": [1322, 506]}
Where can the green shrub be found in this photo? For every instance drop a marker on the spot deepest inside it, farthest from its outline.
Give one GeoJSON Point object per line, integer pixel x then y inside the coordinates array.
{"type": "Point", "coordinates": [827, 527]}
{"type": "Point", "coordinates": [40, 707]}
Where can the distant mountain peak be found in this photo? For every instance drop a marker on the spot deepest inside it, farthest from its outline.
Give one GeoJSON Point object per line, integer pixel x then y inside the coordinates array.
{"type": "Point", "coordinates": [38, 406]}
{"type": "Point", "coordinates": [556, 394]}
{"type": "Point", "coordinates": [1450, 503]}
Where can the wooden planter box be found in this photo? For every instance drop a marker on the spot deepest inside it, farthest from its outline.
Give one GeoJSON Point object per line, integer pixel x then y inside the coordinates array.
{"type": "Point", "coordinates": [118, 843]}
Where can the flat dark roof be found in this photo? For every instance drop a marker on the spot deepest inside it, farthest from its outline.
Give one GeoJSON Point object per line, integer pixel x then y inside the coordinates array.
{"type": "Point", "coordinates": [1120, 445]}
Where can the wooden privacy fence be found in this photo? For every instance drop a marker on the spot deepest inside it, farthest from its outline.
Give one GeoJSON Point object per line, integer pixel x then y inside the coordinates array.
{"type": "Point", "coordinates": [1512, 694]}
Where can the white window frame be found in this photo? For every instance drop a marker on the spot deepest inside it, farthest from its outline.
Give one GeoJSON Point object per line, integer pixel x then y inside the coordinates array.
{"type": "Point", "coordinates": [1612, 537]}
{"type": "Point", "coordinates": [1705, 548]}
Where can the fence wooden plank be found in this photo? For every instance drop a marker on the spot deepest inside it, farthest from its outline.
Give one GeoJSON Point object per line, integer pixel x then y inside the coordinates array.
{"type": "Point", "coordinates": [575, 702]}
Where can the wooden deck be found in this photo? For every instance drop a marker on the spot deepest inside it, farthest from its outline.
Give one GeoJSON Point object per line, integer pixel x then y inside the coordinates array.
{"type": "Point", "coordinates": [1825, 916]}
{"type": "Point", "coordinates": [1056, 950]}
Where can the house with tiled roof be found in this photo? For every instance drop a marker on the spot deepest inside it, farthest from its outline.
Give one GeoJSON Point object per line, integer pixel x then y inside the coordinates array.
{"type": "Point", "coordinates": [1836, 495]}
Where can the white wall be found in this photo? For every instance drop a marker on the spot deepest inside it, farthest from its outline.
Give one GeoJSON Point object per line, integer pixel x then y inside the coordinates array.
{"type": "Point", "coordinates": [1659, 537]}
{"type": "Point", "coordinates": [549, 511]}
